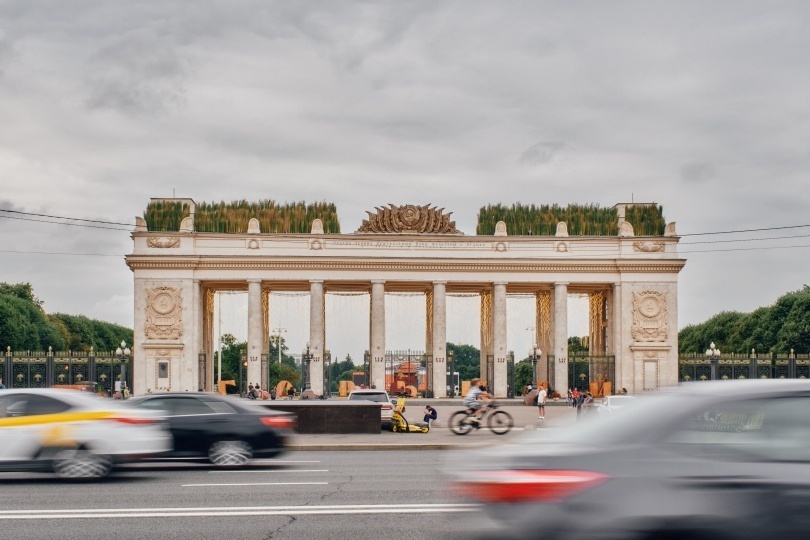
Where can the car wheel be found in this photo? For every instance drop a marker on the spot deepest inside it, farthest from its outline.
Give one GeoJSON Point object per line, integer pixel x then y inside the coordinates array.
{"type": "Point", "coordinates": [81, 463]}
{"type": "Point", "coordinates": [230, 453]}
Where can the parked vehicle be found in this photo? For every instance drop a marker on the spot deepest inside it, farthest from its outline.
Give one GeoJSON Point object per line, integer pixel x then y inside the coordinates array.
{"type": "Point", "coordinates": [221, 429]}
{"type": "Point", "coordinates": [377, 396]}
{"type": "Point", "coordinates": [74, 434]}
{"type": "Point", "coordinates": [728, 460]}
{"type": "Point", "coordinates": [610, 404]}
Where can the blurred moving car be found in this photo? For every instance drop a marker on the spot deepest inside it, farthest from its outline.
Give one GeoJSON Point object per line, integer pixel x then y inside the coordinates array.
{"type": "Point", "coordinates": [77, 435]}
{"type": "Point", "coordinates": [726, 460]}
{"type": "Point", "coordinates": [377, 396]}
{"type": "Point", "coordinates": [221, 429]}
{"type": "Point", "coordinates": [614, 403]}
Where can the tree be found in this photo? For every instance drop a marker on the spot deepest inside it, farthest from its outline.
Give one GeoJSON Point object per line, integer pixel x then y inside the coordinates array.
{"type": "Point", "coordinates": [523, 375]}
{"type": "Point", "coordinates": [466, 361]}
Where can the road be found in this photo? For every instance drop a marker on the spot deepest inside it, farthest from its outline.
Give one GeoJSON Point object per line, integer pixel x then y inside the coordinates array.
{"type": "Point", "coordinates": [357, 495]}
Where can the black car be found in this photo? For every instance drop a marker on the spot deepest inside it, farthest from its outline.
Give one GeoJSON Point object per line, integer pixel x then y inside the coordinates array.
{"type": "Point", "coordinates": [724, 460]}
{"type": "Point", "coordinates": [225, 431]}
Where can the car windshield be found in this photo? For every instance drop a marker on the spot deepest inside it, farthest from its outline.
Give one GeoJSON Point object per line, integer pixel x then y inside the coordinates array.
{"type": "Point", "coordinates": [378, 397]}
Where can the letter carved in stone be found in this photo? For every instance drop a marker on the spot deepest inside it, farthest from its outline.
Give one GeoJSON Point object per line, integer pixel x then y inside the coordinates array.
{"type": "Point", "coordinates": [164, 309]}
{"type": "Point", "coordinates": [650, 317]}
{"type": "Point", "coordinates": [648, 247]}
{"type": "Point", "coordinates": [163, 242]}
{"type": "Point", "coordinates": [409, 219]}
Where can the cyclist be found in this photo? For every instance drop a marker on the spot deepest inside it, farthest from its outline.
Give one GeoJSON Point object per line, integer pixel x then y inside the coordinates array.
{"type": "Point", "coordinates": [476, 399]}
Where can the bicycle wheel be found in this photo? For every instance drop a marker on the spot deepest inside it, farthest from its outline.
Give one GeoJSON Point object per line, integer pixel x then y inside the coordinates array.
{"type": "Point", "coordinates": [500, 422]}
{"type": "Point", "coordinates": [460, 423]}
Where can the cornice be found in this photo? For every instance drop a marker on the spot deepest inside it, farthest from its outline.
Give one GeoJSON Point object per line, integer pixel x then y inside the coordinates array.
{"type": "Point", "coordinates": [139, 262]}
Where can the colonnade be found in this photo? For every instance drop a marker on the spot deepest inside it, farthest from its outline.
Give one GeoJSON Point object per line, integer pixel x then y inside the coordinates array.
{"type": "Point", "coordinates": [551, 329]}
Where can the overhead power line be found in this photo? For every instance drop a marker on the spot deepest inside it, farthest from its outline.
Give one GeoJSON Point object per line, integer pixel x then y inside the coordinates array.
{"type": "Point", "coordinates": [68, 224]}
{"type": "Point", "coordinates": [63, 217]}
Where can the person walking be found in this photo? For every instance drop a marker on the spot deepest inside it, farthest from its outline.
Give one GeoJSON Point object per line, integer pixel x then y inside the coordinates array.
{"type": "Point", "coordinates": [250, 391]}
{"type": "Point", "coordinates": [541, 402]}
{"type": "Point", "coordinates": [2, 386]}
{"type": "Point", "coordinates": [570, 398]}
{"type": "Point", "coordinates": [580, 400]}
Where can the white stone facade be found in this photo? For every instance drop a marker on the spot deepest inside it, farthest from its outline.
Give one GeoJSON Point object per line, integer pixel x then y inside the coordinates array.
{"type": "Point", "coordinates": [173, 273]}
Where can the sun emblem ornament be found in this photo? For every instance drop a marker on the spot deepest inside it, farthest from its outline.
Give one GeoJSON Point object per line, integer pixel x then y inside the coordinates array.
{"type": "Point", "coordinates": [409, 219]}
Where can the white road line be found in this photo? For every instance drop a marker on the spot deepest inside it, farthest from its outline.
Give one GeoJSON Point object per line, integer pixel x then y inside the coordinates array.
{"type": "Point", "coordinates": [234, 511]}
{"type": "Point", "coordinates": [261, 484]}
{"type": "Point", "coordinates": [280, 461]}
{"type": "Point", "coordinates": [269, 470]}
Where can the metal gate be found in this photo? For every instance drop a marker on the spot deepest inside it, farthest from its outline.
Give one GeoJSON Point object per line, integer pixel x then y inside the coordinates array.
{"type": "Point", "coordinates": [510, 375]}
{"type": "Point", "coordinates": [408, 368]}
{"type": "Point", "coordinates": [490, 373]}
{"type": "Point", "coordinates": [585, 370]}
{"type": "Point", "coordinates": [43, 369]}
{"type": "Point", "coordinates": [698, 367]}
{"type": "Point", "coordinates": [242, 372]}
{"type": "Point", "coordinates": [327, 374]}
{"type": "Point", "coordinates": [551, 370]}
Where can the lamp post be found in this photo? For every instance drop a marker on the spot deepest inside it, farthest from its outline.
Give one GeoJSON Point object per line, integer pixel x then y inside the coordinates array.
{"type": "Point", "coordinates": [305, 359]}
{"type": "Point", "coordinates": [451, 365]}
{"type": "Point", "coordinates": [713, 355]}
{"type": "Point", "coordinates": [123, 354]}
{"type": "Point", "coordinates": [278, 331]}
{"type": "Point", "coordinates": [535, 354]}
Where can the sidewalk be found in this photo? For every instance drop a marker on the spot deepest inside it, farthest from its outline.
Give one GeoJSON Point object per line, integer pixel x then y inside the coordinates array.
{"type": "Point", "coordinates": [439, 437]}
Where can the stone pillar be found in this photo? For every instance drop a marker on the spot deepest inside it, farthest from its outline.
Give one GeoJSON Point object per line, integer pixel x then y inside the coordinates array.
{"type": "Point", "coordinates": [255, 338]}
{"type": "Point", "coordinates": [439, 339]}
{"type": "Point", "coordinates": [624, 357]}
{"type": "Point", "coordinates": [377, 349]}
{"type": "Point", "coordinates": [197, 335]}
{"type": "Point", "coordinates": [544, 317]}
{"type": "Point", "coordinates": [499, 385]}
{"type": "Point", "coordinates": [317, 333]}
{"type": "Point", "coordinates": [561, 337]}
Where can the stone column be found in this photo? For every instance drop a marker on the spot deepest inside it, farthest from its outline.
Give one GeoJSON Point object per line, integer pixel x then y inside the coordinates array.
{"type": "Point", "coordinates": [561, 337]}
{"type": "Point", "coordinates": [499, 385]}
{"type": "Point", "coordinates": [317, 333]}
{"type": "Point", "coordinates": [255, 338]}
{"type": "Point", "coordinates": [377, 349]}
{"type": "Point", "coordinates": [203, 383]}
{"type": "Point", "coordinates": [439, 339]}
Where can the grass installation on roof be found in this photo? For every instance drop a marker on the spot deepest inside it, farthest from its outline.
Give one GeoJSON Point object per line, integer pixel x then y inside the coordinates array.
{"type": "Point", "coordinates": [582, 220]}
{"type": "Point", "coordinates": [234, 217]}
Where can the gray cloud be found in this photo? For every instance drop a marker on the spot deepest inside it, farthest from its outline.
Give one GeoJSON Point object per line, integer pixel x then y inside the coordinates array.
{"type": "Point", "coordinates": [541, 153]}
{"type": "Point", "coordinates": [702, 171]}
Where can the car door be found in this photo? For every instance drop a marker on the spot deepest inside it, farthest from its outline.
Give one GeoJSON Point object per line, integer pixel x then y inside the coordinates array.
{"type": "Point", "coordinates": [193, 423]}
{"type": "Point", "coordinates": [22, 438]}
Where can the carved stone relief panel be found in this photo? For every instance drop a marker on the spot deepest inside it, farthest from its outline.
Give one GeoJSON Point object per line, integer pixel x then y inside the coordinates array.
{"type": "Point", "coordinates": [650, 317]}
{"type": "Point", "coordinates": [648, 247]}
{"type": "Point", "coordinates": [163, 242]}
{"type": "Point", "coordinates": [164, 310]}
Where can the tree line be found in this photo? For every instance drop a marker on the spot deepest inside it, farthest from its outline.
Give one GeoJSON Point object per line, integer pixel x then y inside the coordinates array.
{"type": "Point", "coordinates": [24, 325]}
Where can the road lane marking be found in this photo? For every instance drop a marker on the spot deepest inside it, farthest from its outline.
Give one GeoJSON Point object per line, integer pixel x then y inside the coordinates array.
{"type": "Point", "coordinates": [261, 484]}
{"type": "Point", "coordinates": [106, 513]}
{"type": "Point", "coordinates": [269, 470]}
{"type": "Point", "coordinates": [281, 461]}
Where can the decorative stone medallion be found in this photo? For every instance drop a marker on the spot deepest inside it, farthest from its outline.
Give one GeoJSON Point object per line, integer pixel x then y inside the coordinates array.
{"type": "Point", "coordinates": [164, 309]}
{"type": "Point", "coordinates": [648, 247]}
{"type": "Point", "coordinates": [650, 317]}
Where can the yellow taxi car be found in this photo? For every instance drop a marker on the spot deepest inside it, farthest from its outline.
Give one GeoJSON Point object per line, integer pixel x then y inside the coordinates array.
{"type": "Point", "coordinates": [73, 434]}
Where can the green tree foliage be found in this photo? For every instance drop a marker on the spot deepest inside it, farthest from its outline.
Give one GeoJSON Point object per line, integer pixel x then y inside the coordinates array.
{"type": "Point", "coordinates": [286, 370]}
{"type": "Point", "coordinates": [523, 375]}
{"type": "Point", "coordinates": [577, 346]}
{"type": "Point", "coordinates": [165, 216]}
{"type": "Point", "coordinates": [773, 329]}
{"type": "Point", "coordinates": [24, 325]}
{"type": "Point", "coordinates": [466, 361]}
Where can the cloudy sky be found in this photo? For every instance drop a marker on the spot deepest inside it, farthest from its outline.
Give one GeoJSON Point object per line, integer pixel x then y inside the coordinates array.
{"type": "Point", "coordinates": [699, 106]}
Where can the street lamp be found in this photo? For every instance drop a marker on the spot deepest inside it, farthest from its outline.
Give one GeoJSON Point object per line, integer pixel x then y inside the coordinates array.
{"type": "Point", "coordinates": [123, 354]}
{"type": "Point", "coordinates": [535, 354]}
{"type": "Point", "coordinates": [305, 359]}
{"type": "Point", "coordinates": [713, 355]}
{"type": "Point", "coordinates": [278, 331]}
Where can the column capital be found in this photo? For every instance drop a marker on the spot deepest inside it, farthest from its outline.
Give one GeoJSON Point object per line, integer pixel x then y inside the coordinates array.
{"type": "Point", "coordinates": [504, 283]}
{"type": "Point", "coordinates": [559, 283]}
{"type": "Point", "coordinates": [311, 281]}
{"type": "Point", "coordinates": [440, 282]}
{"type": "Point", "coordinates": [378, 281]}
{"type": "Point", "coordinates": [254, 280]}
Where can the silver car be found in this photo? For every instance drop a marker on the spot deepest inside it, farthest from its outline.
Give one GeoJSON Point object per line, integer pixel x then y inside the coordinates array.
{"type": "Point", "coordinates": [726, 460]}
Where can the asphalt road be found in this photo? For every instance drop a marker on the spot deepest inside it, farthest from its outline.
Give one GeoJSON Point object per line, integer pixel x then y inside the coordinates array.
{"type": "Point", "coordinates": [355, 495]}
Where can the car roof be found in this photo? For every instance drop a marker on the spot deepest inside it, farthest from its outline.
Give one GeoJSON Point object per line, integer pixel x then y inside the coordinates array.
{"type": "Point", "coordinates": [368, 391]}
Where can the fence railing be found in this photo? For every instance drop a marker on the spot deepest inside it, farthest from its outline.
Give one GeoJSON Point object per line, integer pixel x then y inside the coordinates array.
{"type": "Point", "coordinates": [697, 367]}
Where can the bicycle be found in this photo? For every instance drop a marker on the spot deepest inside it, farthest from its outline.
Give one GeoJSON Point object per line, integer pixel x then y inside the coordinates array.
{"type": "Point", "coordinates": [498, 421]}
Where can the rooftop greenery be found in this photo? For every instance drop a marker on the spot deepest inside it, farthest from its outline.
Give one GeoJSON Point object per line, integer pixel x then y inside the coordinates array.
{"type": "Point", "coordinates": [233, 217]}
{"type": "Point", "coordinates": [582, 220]}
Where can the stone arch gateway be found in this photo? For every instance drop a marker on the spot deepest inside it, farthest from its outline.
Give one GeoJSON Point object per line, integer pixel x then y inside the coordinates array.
{"type": "Point", "coordinates": [631, 280]}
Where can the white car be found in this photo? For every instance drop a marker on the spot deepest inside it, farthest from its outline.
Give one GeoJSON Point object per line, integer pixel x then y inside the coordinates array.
{"type": "Point", "coordinates": [613, 403]}
{"type": "Point", "coordinates": [377, 396]}
{"type": "Point", "coordinates": [73, 434]}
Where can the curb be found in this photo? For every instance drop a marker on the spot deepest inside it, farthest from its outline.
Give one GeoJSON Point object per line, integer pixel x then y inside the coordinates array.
{"type": "Point", "coordinates": [380, 447]}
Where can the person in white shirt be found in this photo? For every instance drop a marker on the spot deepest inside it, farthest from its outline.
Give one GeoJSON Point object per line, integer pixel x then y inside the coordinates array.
{"type": "Point", "coordinates": [541, 402]}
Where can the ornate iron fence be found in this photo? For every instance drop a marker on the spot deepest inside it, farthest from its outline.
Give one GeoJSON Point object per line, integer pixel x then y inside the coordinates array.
{"type": "Point", "coordinates": [510, 375]}
{"type": "Point", "coordinates": [409, 368]}
{"type": "Point", "coordinates": [697, 367]}
{"type": "Point", "coordinates": [490, 373]}
{"type": "Point", "coordinates": [586, 370]}
{"type": "Point", "coordinates": [45, 369]}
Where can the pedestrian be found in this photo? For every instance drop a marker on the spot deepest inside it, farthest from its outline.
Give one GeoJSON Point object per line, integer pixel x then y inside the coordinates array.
{"type": "Point", "coordinates": [580, 400]}
{"type": "Point", "coordinates": [588, 403]}
{"type": "Point", "coordinates": [430, 414]}
{"type": "Point", "coordinates": [273, 394]}
{"type": "Point", "coordinates": [570, 398]}
{"type": "Point", "coordinates": [250, 391]}
{"type": "Point", "coordinates": [2, 386]}
{"type": "Point", "coordinates": [257, 391]}
{"type": "Point", "coordinates": [290, 392]}
{"type": "Point", "coordinates": [541, 402]}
